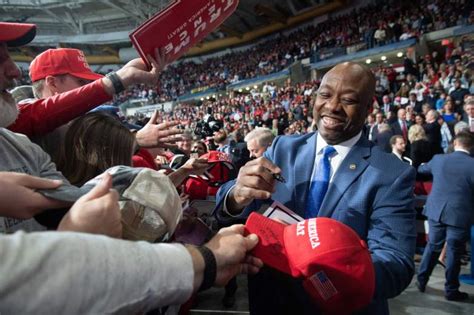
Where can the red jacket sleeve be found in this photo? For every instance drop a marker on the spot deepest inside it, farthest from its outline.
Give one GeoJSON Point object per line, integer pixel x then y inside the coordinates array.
{"type": "Point", "coordinates": [43, 116]}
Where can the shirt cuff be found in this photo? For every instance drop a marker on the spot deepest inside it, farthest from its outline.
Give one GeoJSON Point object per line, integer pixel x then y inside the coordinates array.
{"type": "Point", "coordinates": [224, 207]}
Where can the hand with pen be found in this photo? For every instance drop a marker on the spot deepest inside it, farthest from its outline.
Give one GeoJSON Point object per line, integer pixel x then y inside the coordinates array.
{"type": "Point", "coordinates": [256, 180]}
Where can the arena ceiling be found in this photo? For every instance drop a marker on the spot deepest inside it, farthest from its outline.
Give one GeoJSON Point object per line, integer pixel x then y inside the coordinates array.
{"type": "Point", "coordinates": [81, 17]}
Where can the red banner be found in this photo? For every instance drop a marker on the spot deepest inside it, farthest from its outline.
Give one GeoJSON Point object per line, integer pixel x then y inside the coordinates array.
{"type": "Point", "coordinates": [180, 26]}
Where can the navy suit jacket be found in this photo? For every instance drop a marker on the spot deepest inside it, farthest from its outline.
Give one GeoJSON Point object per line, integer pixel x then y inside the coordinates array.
{"type": "Point", "coordinates": [372, 192]}
{"type": "Point", "coordinates": [451, 200]}
{"type": "Point", "coordinates": [397, 129]}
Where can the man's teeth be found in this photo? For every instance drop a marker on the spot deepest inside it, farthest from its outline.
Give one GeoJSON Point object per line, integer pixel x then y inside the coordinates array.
{"type": "Point", "coordinates": [331, 121]}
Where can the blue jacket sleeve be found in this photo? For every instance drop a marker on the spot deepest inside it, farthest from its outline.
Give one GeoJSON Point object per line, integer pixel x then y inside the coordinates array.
{"type": "Point", "coordinates": [392, 236]}
{"type": "Point", "coordinates": [219, 212]}
{"type": "Point", "coordinates": [426, 167]}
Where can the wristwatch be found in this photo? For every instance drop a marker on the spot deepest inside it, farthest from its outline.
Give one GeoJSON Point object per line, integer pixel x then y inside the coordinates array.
{"type": "Point", "coordinates": [210, 268]}
{"type": "Point", "coordinates": [116, 82]}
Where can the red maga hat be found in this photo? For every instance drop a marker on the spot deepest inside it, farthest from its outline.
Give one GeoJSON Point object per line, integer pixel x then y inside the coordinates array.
{"type": "Point", "coordinates": [17, 34]}
{"type": "Point", "coordinates": [62, 61]}
{"type": "Point", "coordinates": [333, 262]}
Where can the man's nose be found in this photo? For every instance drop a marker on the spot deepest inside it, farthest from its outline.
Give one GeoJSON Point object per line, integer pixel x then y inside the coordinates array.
{"type": "Point", "coordinates": [11, 70]}
{"type": "Point", "coordinates": [333, 104]}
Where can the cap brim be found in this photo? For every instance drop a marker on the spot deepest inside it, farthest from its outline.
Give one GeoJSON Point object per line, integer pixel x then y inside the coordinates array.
{"type": "Point", "coordinates": [17, 34]}
{"type": "Point", "coordinates": [271, 247]}
{"type": "Point", "coordinates": [67, 193]}
{"type": "Point", "coordinates": [87, 75]}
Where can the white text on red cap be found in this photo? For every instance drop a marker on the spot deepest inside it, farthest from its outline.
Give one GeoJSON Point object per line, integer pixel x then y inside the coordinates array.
{"type": "Point", "coordinates": [312, 232]}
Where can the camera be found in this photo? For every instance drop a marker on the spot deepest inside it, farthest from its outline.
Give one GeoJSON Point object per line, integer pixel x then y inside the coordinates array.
{"type": "Point", "coordinates": [207, 126]}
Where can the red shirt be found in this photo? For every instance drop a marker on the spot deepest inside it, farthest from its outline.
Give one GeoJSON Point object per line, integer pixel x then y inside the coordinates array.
{"type": "Point", "coordinates": [143, 158]}
{"type": "Point", "coordinates": [44, 115]}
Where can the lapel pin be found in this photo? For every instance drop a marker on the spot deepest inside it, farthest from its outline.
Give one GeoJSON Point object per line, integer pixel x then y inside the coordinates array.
{"type": "Point", "coordinates": [352, 166]}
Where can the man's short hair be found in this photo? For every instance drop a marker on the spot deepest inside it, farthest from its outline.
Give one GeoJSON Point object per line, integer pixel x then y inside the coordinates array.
{"type": "Point", "coordinates": [264, 136]}
{"type": "Point", "coordinates": [466, 140]}
{"type": "Point", "coordinates": [38, 88]}
{"type": "Point", "coordinates": [384, 127]}
{"type": "Point", "coordinates": [394, 138]}
{"type": "Point", "coordinates": [461, 126]}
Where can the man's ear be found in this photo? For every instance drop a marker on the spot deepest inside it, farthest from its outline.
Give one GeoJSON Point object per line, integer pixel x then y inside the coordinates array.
{"type": "Point", "coordinates": [50, 83]}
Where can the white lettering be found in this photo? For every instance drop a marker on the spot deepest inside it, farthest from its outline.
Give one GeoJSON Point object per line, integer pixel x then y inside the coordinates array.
{"type": "Point", "coordinates": [300, 228]}
{"type": "Point", "coordinates": [313, 233]}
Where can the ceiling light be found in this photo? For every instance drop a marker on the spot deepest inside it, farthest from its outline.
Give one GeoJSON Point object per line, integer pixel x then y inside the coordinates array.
{"type": "Point", "coordinates": [399, 54]}
{"type": "Point", "coordinates": [368, 61]}
{"type": "Point", "coordinates": [383, 58]}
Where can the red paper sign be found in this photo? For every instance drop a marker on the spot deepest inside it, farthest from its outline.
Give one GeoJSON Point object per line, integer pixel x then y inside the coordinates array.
{"type": "Point", "coordinates": [180, 26]}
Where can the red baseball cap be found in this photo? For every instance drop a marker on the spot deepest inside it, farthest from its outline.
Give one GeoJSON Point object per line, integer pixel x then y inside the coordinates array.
{"type": "Point", "coordinates": [62, 61]}
{"type": "Point", "coordinates": [333, 262]}
{"type": "Point", "coordinates": [216, 157]}
{"type": "Point", "coordinates": [17, 34]}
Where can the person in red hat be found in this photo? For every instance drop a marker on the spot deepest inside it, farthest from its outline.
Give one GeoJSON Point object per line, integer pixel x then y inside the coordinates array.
{"type": "Point", "coordinates": [120, 276]}
{"type": "Point", "coordinates": [66, 87]}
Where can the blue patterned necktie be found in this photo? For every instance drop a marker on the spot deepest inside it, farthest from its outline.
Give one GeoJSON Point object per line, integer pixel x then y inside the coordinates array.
{"type": "Point", "coordinates": [320, 184]}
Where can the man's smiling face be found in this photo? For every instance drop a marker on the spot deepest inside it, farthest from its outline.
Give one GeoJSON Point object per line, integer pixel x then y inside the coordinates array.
{"type": "Point", "coordinates": [342, 102]}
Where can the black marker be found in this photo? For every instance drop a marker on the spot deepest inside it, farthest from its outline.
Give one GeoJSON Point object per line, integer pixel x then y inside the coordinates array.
{"type": "Point", "coordinates": [279, 178]}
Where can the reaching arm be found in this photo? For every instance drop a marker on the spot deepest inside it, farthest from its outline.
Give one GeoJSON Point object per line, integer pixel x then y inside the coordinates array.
{"type": "Point", "coordinates": [425, 168]}
{"type": "Point", "coordinates": [44, 115]}
{"type": "Point", "coordinates": [95, 274]}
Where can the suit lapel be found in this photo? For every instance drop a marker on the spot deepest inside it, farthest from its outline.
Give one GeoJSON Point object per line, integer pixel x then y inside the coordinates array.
{"type": "Point", "coordinates": [349, 170]}
{"type": "Point", "coordinates": [304, 163]}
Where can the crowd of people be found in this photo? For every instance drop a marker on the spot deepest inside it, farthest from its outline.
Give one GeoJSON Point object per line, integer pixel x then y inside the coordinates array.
{"type": "Point", "coordinates": [376, 24]}
{"type": "Point", "coordinates": [373, 25]}
{"type": "Point", "coordinates": [433, 87]}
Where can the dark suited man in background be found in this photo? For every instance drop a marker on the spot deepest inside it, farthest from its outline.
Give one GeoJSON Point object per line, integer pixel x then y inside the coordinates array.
{"type": "Point", "coordinates": [433, 131]}
{"type": "Point", "coordinates": [371, 128]}
{"type": "Point", "coordinates": [400, 127]}
{"type": "Point", "coordinates": [414, 103]}
{"type": "Point", "coordinates": [398, 148]}
{"type": "Point", "coordinates": [450, 212]}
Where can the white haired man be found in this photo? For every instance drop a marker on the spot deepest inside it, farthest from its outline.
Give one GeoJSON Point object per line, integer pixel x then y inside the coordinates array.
{"type": "Point", "coordinates": [258, 140]}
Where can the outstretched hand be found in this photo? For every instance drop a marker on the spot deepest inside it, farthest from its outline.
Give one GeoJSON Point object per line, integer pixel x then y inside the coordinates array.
{"type": "Point", "coordinates": [161, 135]}
{"type": "Point", "coordinates": [136, 71]}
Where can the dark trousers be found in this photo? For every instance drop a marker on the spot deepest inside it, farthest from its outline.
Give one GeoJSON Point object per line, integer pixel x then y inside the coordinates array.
{"type": "Point", "coordinates": [456, 238]}
{"type": "Point", "coordinates": [272, 292]}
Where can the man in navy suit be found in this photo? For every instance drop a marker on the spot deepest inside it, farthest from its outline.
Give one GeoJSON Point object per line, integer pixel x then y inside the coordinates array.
{"type": "Point", "coordinates": [400, 127]}
{"type": "Point", "coordinates": [365, 188]}
{"type": "Point", "coordinates": [450, 212]}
